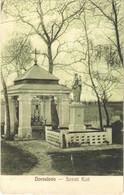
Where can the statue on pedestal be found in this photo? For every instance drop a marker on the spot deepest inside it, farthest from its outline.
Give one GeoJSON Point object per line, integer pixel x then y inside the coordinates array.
{"type": "Point", "coordinates": [77, 88]}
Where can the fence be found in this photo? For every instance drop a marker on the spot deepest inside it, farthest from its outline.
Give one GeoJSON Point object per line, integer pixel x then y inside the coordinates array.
{"type": "Point", "coordinates": [52, 137]}
{"type": "Point", "coordinates": [64, 138]}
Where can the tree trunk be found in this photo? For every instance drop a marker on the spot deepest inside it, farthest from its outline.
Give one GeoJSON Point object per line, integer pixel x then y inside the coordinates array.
{"type": "Point", "coordinates": [90, 73]}
{"type": "Point", "coordinates": [100, 113]}
{"type": "Point", "coordinates": [107, 114]}
{"type": "Point", "coordinates": [117, 32]}
{"type": "Point", "coordinates": [8, 133]}
{"type": "Point", "coordinates": [50, 59]}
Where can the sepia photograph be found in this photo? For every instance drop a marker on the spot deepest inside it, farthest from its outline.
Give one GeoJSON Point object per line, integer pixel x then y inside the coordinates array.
{"type": "Point", "coordinates": [61, 96]}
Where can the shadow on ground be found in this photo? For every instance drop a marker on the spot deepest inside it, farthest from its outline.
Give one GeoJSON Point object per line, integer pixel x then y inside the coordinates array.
{"type": "Point", "coordinates": [15, 161]}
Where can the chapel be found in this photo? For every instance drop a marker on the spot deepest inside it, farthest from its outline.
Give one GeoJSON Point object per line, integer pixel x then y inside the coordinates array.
{"type": "Point", "coordinates": [30, 101]}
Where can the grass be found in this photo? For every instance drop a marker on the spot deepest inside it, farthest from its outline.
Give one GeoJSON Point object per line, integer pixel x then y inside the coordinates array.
{"type": "Point", "coordinates": [18, 158]}
{"type": "Point", "coordinates": [102, 163]}
{"type": "Point", "coordinates": [15, 161]}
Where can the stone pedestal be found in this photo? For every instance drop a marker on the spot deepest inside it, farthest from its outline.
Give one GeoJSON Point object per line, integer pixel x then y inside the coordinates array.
{"type": "Point", "coordinates": [76, 117]}
{"type": "Point", "coordinates": [24, 129]}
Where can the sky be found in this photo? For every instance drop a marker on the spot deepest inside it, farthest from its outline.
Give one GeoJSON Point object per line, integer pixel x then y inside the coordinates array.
{"type": "Point", "coordinates": [74, 31]}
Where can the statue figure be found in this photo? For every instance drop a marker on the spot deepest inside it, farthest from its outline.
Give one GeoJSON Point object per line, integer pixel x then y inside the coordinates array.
{"type": "Point", "coordinates": [36, 114]}
{"type": "Point", "coordinates": [77, 88]}
{"type": "Point", "coordinates": [54, 114]}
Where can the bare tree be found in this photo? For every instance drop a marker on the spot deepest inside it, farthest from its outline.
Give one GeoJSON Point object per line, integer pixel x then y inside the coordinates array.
{"type": "Point", "coordinates": [2, 4]}
{"type": "Point", "coordinates": [50, 20]}
{"type": "Point", "coordinates": [106, 85]}
{"type": "Point", "coordinates": [109, 54]}
{"type": "Point", "coordinates": [101, 83]}
{"type": "Point", "coordinates": [93, 54]}
{"type": "Point", "coordinates": [112, 11]}
{"type": "Point", "coordinates": [16, 55]}
{"type": "Point", "coordinates": [89, 63]}
{"type": "Point", "coordinates": [8, 132]}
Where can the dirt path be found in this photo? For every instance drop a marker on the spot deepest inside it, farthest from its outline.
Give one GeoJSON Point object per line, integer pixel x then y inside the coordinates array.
{"type": "Point", "coordinates": [41, 150]}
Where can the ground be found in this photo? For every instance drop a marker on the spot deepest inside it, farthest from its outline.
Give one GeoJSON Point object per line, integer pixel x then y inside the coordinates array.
{"type": "Point", "coordinates": [15, 161]}
{"type": "Point", "coordinates": [88, 160]}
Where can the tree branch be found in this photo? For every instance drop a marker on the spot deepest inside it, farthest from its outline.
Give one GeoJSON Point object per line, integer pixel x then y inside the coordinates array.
{"type": "Point", "coordinates": [101, 10]}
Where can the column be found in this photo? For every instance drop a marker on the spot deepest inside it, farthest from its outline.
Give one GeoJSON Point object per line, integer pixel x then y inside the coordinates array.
{"type": "Point", "coordinates": [42, 108]}
{"type": "Point", "coordinates": [60, 110]}
{"type": "Point", "coordinates": [12, 114]}
{"type": "Point", "coordinates": [47, 110]}
{"type": "Point", "coordinates": [24, 129]}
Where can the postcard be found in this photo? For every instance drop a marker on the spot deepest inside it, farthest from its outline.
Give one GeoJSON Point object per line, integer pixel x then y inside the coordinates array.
{"type": "Point", "coordinates": [61, 97]}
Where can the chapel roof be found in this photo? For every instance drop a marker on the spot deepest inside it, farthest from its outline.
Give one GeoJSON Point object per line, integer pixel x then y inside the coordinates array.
{"type": "Point", "coordinates": [37, 79]}
{"type": "Point", "coordinates": [39, 87]}
{"type": "Point", "coordinates": [36, 74]}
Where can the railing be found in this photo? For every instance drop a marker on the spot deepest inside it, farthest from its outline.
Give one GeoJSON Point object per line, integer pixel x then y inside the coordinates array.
{"type": "Point", "coordinates": [64, 138]}
{"type": "Point", "coordinates": [52, 137]}
{"type": "Point", "coordinates": [91, 138]}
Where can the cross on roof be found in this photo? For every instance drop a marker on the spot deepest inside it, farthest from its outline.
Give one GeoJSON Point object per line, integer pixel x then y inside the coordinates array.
{"type": "Point", "coordinates": [35, 59]}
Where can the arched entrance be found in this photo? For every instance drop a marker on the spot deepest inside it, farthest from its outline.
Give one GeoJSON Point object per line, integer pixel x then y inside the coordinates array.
{"type": "Point", "coordinates": [38, 120]}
